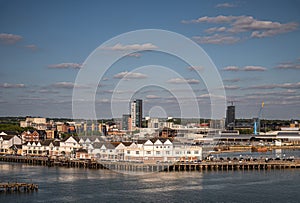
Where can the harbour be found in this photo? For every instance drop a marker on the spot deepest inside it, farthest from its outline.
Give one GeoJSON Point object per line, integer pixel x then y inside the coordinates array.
{"type": "Point", "coordinates": [61, 184]}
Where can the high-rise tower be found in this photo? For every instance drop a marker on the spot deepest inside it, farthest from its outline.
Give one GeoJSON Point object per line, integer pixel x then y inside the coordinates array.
{"type": "Point", "coordinates": [230, 116]}
{"type": "Point", "coordinates": [136, 111]}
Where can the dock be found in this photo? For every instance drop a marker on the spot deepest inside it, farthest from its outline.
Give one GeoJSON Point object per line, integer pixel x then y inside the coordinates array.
{"type": "Point", "coordinates": [18, 187]}
{"type": "Point", "coordinates": [156, 167]}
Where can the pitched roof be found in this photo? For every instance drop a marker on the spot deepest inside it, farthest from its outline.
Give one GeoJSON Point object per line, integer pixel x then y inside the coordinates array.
{"type": "Point", "coordinates": [92, 138]}
{"type": "Point", "coordinates": [109, 146]}
{"type": "Point", "coordinates": [6, 137]}
{"type": "Point", "coordinates": [127, 143]}
{"type": "Point", "coordinates": [97, 145]}
{"type": "Point", "coordinates": [47, 142]}
{"type": "Point", "coordinates": [82, 150]}
{"type": "Point", "coordinates": [74, 137]}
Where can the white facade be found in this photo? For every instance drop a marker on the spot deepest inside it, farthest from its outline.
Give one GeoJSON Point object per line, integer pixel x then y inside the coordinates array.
{"type": "Point", "coordinates": [6, 142]}
{"type": "Point", "coordinates": [68, 146]}
{"type": "Point", "coordinates": [133, 114]}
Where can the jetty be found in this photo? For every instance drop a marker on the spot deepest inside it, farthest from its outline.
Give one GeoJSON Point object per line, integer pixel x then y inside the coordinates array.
{"type": "Point", "coordinates": [224, 165]}
{"type": "Point", "coordinates": [18, 187]}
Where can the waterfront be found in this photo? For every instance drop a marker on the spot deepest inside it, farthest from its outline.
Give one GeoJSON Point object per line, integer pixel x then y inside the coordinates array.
{"type": "Point", "coordinates": [57, 184]}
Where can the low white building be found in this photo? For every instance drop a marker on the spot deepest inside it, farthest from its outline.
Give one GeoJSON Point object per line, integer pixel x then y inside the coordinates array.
{"type": "Point", "coordinates": [162, 150]}
{"type": "Point", "coordinates": [7, 141]}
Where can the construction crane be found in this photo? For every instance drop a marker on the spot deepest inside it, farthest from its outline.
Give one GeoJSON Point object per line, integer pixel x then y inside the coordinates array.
{"type": "Point", "coordinates": [257, 120]}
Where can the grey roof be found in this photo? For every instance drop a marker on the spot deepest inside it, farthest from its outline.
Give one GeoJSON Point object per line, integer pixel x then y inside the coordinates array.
{"type": "Point", "coordinates": [97, 145]}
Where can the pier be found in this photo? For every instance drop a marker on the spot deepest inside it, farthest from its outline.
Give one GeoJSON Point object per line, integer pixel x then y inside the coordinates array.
{"type": "Point", "coordinates": [157, 167]}
{"type": "Point", "coordinates": [18, 187]}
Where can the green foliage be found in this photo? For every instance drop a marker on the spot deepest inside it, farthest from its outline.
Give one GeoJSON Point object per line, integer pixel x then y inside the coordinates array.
{"type": "Point", "coordinates": [144, 124]}
{"type": "Point", "coordinates": [11, 127]}
{"type": "Point", "coordinates": [175, 121]}
{"type": "Point", "coordinates": [245, 131]}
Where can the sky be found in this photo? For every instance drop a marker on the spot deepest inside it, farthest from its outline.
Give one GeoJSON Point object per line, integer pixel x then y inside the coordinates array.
{"type": "Point", "coordinates": [254, 46]}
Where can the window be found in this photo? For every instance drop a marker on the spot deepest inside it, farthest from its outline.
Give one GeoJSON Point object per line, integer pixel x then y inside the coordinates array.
{"type": "Point", "coordinates": [188, 152]}
{"type": "Point", "coordinates": [128, 152]}
{"type": "Point", "coordinates": [148, 152]}
{"type": "Point", "coordinates": [137, 152]}
{"type": "Point", "coordinates": [157, 153]}
{"type": "Point", "coordinates": [196, 152]}
{"type": "Point", "coordinates": [167, 152]}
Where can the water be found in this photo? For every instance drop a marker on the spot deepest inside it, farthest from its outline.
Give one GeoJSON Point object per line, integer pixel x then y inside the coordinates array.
{"type": "Point", "coordinates": [85, 185]}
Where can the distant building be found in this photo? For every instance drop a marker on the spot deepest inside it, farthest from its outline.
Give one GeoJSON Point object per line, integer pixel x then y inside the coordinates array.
{"type": "Point", "coordinates": [30, 136]}
{"type": "Point", "coordinates": [126, 122]}
{"type": "Point", "coordinates": [217, 124]}
{"type": "Point", "coordinates": [230, 117]}
{"type": "Point", "coordinates": [38, 123]}
{"type": "Point", "coordinates": [136, 111]}
{"type": "Point", "coordinates": [153, 123]}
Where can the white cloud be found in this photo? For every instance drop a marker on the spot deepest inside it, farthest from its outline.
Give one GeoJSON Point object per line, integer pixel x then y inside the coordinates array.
{"type": "Point", "coordinates": [103, 101]}
{"type": "Point", "coordinates": [225, 5]}
{"type": "Point", "coordinates": [254, 68]}
{"type": "Point", "coordinates": [245, 68]}
{"type": "Point", "coordinates": [207, 96]}
{"type": "Point", "coordinates": [64, 85]}
{"type": "Point", "coordinates": [231, 87]}
{"type": "Point", "coordinates": [130, 75]}
{"type": "Point", "coordinates": [290, 66]}
{"type": "Point", "coordinates": [261, 28]}
{"type": "Point", "coordinates": [273, 86]}
{"type": "Point", "coordinates": [31, 47]}
{"type": "Point", "coordinates": [9, 38]}
{"type": "Point", "coordinates": [277, 94]}
{"type": "Point", "coordinates": [48, 91]}
{"type": "Point", "coordinates": [151, 96]}
{"type": "Point", "coordinates": [217, 19]}
{"type": "Point", "coordinates": [9, 85]}
{"type": "Point", "coordinates": [216, 29]}
{"type": "Point", "coordinates": [233, 80]}
{"type": "Point", "coordinates": [118, 91]}
{"type": "Point", "coordinates": [137, 55]}
{"type": "Point", "coordinates": [238, 24]}
{"type": "Point", "coordinates": [231, 68]}
{"type": "Point", "coordinates": [216, 39]}
{"type": "Point", "coordinates": [196, 68]}
{"type": "Point", "coordinates": [134, 47]}
{"type": "Point", "coordinates": [65, 66]}
{"type": "Point", "coordinates": [182, 81]}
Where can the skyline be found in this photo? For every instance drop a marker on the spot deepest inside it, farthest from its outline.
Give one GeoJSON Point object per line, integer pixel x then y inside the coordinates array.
{"type": "Point", "coordinates": [253, 45]}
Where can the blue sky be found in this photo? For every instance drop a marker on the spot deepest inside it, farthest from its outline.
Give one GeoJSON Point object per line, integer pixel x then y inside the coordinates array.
{"type": "Point", "coordinates": [254, 45]}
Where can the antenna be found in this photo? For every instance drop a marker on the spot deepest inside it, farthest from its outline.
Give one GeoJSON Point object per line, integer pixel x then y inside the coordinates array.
{"type": "Point", "coordinates": [231, 102]}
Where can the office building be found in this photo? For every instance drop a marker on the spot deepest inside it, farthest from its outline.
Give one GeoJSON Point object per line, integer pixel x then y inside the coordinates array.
{"type": "Point", "coordinates": [230, 116]}
{"type": "Point", "coordinates": [136, 111]}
